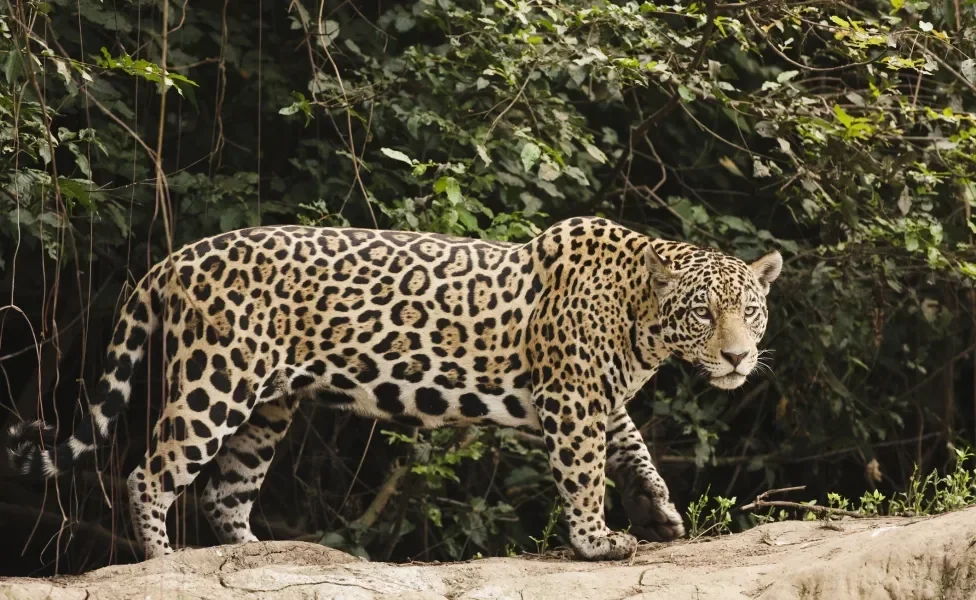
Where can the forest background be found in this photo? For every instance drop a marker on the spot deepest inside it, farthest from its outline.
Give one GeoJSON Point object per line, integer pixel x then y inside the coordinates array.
{"type": "Point", "coordinates": [841, 133]}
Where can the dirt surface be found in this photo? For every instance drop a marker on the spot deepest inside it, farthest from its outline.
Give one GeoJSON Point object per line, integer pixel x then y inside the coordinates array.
{"type": "Point", "coordinates": [929, 558]}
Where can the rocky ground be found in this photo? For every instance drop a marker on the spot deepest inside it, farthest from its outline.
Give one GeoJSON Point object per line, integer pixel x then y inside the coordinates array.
{"type": "Point", "coordinates": [887, 559]}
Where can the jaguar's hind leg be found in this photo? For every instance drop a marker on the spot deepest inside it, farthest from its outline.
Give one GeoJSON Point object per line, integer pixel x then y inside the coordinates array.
{"type": "Point", "coordinates": [204, 410]}
{"type": "Point", "coordinates": [240, 468]}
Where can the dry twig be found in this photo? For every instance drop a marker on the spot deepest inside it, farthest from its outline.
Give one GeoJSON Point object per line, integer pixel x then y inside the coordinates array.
{"type": "Point", "coordinates": [761, 502]}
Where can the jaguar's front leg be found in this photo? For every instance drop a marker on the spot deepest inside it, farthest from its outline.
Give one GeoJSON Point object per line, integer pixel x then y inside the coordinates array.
{"type": "Point", "coordinates": [575, 430]}
{"type": "Point", "coordinates": [645, 496]}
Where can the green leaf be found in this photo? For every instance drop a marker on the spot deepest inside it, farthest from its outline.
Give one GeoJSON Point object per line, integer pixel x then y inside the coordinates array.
{"type": "Point", "coordinates": [548, 171]}
{"type": "Point", "coordinates": [44, 149]}
{"type": "Point", "coordinates": [736, 224]}
{"type": "Point", "coordinates": [839, 21]}
{"type": "Point", "coordinates": [231, 220]}
{"type": "Point", "coordinates": [530, 155]}
{"type": "Point", "coordinates": [75, 190]}
{"type": "Point", "coordinates": [330, 32]}
{"type": "Point", "coordinates": [686, 94]}
{"type": "Point", "coordinates": [483, 154]}
{"type": "Point", "coordinates": [404, 22]}
{"type": "Point", "coordinates": [760, 169]}
{"type": "Point", "coordinates": [453, 191]}
{"type": "Point", "coordinates": [968, 70]}
{"type": "Point", "coordinates": [786, 76]}
{"type": "Point", "coordinates": [845, 119]}
{"type": "Point", "coordinates": [596, 153]}
{"type": "Point", "coordinates": [353, 47]}
{"type": "Point", "coordinates": [968, 269]}
{"type": "Point", "coordinates": [82, 161]}
{"type": "Point", "coordinates": [397, 155]}
{"type": "Point", "coordinates": [467, 219]}
{"type": "Point", "coordinates": [730, 166]}
{"type": "Point", "coordinates": [13, 67]}
{"type": "Point", "coordinates": [450, 218]}
{"type": "Point", "coordinates": [911, 242]}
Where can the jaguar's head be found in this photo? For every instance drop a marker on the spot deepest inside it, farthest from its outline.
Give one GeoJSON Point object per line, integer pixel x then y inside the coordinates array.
{"type": "Point", "coordinates": [712, 309]}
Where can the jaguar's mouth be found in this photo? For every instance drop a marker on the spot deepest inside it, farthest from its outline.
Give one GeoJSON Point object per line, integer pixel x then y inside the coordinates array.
{"type": "Point", "coordinates": [729, 381]}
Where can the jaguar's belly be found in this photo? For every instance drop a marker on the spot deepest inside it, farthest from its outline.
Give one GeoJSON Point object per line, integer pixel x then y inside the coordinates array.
{"type": "Point", "coordinates": [428, 407]}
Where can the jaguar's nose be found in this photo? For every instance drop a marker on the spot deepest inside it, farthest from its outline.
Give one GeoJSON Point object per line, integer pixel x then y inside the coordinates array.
{"type": "Point", "coordinates": [734, 358]}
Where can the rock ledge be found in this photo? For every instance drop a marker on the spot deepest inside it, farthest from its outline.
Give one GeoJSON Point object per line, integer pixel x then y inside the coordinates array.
{"type": "Point", "coordinates": [890, 559]}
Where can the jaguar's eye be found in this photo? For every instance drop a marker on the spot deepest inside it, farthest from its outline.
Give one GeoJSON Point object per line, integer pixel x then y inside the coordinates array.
{"type": "Point", "coordinates": [702, 313]}
{"type": "Point", "coordinates": [751, 311]}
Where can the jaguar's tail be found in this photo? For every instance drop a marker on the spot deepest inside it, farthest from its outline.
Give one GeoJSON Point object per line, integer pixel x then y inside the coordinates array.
{"type": "Point", "coordinates": [31, 446]}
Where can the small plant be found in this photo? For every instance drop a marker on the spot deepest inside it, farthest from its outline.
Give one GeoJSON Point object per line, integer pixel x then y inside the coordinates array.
{"type": "Point", "coordinates": [958, 488]}
{"type": "Point", "coordinates": [810, 515]}
{"type": "Point", "coordinates": [542, 544]}
{"type": "Point", "coordinates": [772, 516]}
{"type": "Point", "coordinates": [870, 504]}
{"type": "Point", "coordinates": [934, 494]}
{"type": "Point", "coordinates": [837, 501]}
{"type": "Point", "coordinates": [720, 517]}
{"type": "Point", "coordinates": [694, 513]}
{"type": "Point", "coordinates": [716, 521]}
{"type": "Point", "coordinates": [912, 502]}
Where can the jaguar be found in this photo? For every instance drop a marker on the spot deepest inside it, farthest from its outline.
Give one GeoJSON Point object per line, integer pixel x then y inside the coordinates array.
{"type": "Point", "coordinates": [554, 335]}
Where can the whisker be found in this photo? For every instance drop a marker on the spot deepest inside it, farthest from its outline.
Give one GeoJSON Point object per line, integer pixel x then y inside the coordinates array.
{"type": "Point", "coordinates": [763, 367]}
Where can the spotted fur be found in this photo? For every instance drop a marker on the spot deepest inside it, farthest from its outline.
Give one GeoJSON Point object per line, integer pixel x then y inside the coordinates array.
{"type": "Point", "coordinates": [554, 335]}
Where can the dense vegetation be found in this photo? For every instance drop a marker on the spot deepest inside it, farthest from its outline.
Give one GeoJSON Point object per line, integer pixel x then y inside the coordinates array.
{"type": "Point", "coordinates": [843, 134]}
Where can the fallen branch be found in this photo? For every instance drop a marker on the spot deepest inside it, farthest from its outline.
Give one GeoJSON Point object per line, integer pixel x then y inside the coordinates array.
{"type": "Point", "coordinates": [761, 502]}
{"type": "Point", "coordinates": [372, 513]}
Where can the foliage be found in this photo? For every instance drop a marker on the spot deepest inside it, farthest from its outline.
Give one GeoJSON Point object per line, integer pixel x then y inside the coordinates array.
{"type": "Point", "coordinates": [842, 134]}
{"type": "Point", "coordinates": [935, 494]}
{"type": "Point", "coordinates": [715, 522]}
{"type": "Point", "coordinates": [871, 503]}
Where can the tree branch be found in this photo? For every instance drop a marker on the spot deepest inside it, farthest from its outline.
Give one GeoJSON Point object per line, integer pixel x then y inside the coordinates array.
{"type": "Point", "coordinates": [372, 513]}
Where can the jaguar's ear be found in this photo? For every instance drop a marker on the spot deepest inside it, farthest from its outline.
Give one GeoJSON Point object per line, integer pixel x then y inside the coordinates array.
{"type": "Point", "coordinates": [767, 269]}
{"type": "Point", "coordinates": [660, 276]}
